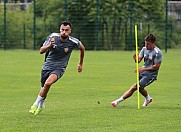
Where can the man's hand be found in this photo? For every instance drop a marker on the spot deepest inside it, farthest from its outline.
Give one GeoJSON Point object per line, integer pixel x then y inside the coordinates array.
{"type": "Point", "coordinates": [82, 50]}
{"type": "Point", "coordinates": [79, 67]}
{"type": "Point", "coordinates": [139, 58]}
{"type": "Point", "coordinates": [140, 70]}
{"type": "Point", "coordinates": [52, 41]}
{"type": "Point", "coordinates": [156, 66]}
{"type": "Point", "coordinates": [44, 49]}
{"type": "Point", "coordinates": [134, 57]}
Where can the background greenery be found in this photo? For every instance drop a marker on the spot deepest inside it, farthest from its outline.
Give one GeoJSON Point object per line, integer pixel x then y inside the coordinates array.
{"type": "Point", "coordinates": [99, 24]}
{"type": "Point", "coordinates": [72, 102]}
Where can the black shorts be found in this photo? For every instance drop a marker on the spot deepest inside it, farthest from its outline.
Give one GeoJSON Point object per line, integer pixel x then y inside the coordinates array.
{"type": "Point", "coordinates": [145, 80]}
{"type": "Point", "coordinates": [46, 73]}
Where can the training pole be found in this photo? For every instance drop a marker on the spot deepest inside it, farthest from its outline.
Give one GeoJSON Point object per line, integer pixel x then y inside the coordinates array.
{"type": "Point", "coordinates": [137, 73]}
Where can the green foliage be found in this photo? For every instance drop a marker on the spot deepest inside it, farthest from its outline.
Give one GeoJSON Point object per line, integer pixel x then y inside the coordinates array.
{"type": "Point", "coordinates": [99, 24]}
{"type": "Point", "coordinates": [1, 26]}
{"type": "Point", "coordinates": [72, 102]}
{"type": "Point", "coordinates": [111, 17]}
{"type": "Point", "coordinates": [16, 24]}
{"type": "Point", "coordinates": [150, 10]}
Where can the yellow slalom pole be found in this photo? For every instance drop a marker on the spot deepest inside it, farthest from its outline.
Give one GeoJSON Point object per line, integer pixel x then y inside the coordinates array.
{"type": "Point", "coordinates": [137, 73]}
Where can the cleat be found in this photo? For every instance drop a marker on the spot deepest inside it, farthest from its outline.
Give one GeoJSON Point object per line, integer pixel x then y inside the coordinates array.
{"type": "Point", "coordinates": [33, 109]}
{"type": "Point", "coordinates": [147, 102]}
{"type": "Point", "coordinates": [114, 103]}
{"type": "Point", "coordinates": [38, 111]}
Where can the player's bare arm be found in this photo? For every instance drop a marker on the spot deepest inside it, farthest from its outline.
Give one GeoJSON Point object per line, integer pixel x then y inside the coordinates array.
{"type": "Point", "coordinates": [43, 49]}
{"type": "Point", "coordinates": [139, 58]}
{"type": "Point", "coordinates": [156, 66]}
{"type": "Point", "coordinates": [82, 50]}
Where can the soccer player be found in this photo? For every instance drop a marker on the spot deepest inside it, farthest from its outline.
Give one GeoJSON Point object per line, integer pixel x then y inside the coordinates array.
{"type": "Point", "coordinates": [59, 47]}
{"type": "Point", "coordinates": [152, 56]}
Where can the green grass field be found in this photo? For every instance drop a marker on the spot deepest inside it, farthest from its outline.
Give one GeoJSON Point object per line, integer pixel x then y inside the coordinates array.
{"type": "Point", "coordinates": [71, 105]}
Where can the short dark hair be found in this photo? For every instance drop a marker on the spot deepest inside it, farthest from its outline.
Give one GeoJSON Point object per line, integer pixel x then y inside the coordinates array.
{"type": "Point", "coordinates": [65, 23]}
{"type": "Point", "coordinates": [150, 38]}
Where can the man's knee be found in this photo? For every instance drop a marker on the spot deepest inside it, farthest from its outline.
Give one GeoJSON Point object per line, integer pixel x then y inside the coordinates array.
{"type": "Point", "coordinates": [133, 87]}
{"type": "Point", "coordinates": [48, 83]}
{"type": "Point", "coordinates": [52, 79]}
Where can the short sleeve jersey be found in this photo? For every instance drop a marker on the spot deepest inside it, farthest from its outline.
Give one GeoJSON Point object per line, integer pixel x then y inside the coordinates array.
{"type": "Point", "coordinates": [59, 53]}
{"type": "Point", "coordinates": [150, 58]}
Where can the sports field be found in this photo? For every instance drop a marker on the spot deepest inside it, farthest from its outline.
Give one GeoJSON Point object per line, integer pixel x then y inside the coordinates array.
{"type": "Point", "coordinates": [72, 103]}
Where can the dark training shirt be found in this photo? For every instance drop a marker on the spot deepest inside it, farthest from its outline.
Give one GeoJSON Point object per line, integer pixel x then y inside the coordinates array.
{"type": "Point", "coordinates": [59, 53]}
{"type": "Point", "coordinates": [150, 58]}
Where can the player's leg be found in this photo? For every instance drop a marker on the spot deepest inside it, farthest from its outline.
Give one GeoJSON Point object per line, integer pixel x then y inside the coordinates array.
{"type": "Point", "coordinates": [44, 77]}
{"type": "Point", "coordinates": [126, 95]}
{"type": "Point", "coordinates": [41, 103]}
{"type": "Point", "coordinates": [46, 86]}
{"type": "Point", "coordinates": [51, 79]}
{"type": "Point", "coordinates": [148, 99]}
{"type": "Point", "coordinates": [145, 81]}
{"type": "Point", "coordinates": [34, 107]}
{"type": "Point", "coordinates": [38, 104]}
{"type": "Point", "coordinates": [43, 93]}
{"type": "Point", "coordinates": [54, 76]}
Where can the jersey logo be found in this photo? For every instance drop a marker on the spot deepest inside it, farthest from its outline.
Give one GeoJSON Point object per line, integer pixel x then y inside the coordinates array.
{"type": "Point", "coordinates": [150, 57]}
{"type": "Point", "coordinates": [66, 49]}
{"type": "Point", "coordinates": [54, 46]}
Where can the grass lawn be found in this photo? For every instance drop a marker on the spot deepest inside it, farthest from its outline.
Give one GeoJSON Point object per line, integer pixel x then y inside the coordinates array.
{"type": "Point", "coordinates": [72, 103]}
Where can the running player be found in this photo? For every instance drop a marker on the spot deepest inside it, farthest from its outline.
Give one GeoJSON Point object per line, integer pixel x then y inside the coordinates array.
{"type": "Point", "coordinates": [59, 47]}
{"type": "Point", "coordinates": [152, 56]}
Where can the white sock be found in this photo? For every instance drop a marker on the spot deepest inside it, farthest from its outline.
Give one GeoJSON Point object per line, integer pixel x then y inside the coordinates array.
{"type": "Point", "coordinates": [148, 97]}
{"type": "Point", "coordinates": [39, 98]}
{"type": "Point", "coordinates": [41, 104]}
{"type": "Point", "coordinates": [120, 99]}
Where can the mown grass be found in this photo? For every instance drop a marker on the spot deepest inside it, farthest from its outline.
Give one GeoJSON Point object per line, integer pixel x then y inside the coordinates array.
{"type": "Point", "coordinates": [72, 103]}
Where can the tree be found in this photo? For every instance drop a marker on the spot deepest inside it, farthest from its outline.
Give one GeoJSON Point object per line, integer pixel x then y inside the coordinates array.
{"type": "Point", "coordinates": [100, 24]}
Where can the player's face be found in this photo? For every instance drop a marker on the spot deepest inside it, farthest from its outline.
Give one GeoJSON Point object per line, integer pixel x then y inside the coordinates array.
{"type": "Point", "coordinates": [149, 45]}
{"type": "Point", "coordinates": [65, 31]}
